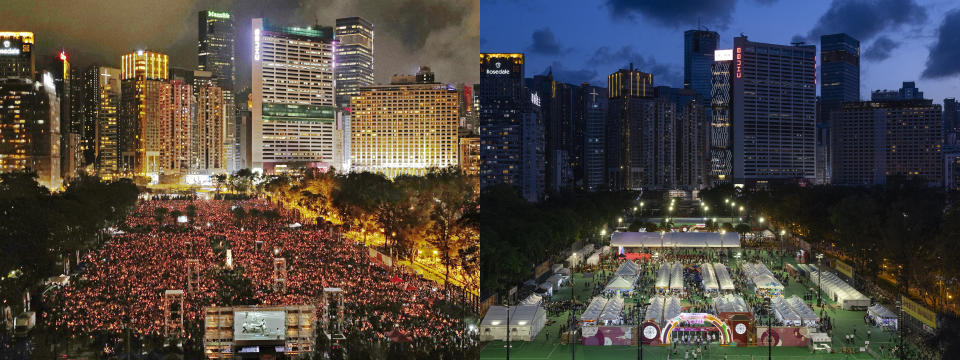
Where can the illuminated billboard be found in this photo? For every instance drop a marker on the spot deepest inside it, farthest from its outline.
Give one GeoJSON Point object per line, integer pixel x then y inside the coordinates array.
{"type": "Point", "coordinates": [259, 325]}
{"type": "Point", "coordinates": [723, 55]}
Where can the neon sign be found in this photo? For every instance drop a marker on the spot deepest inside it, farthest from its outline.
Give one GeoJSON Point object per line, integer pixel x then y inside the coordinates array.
{"type": "Point", "coordinates": [256, 44]}
{"type": "Point", "coordinates": [10, 51]}
{"type": "Point", "coordinates": [498, 70]}
{"type": "Point", "coordinates": [739, 63]}
{"type": "Point", "coordinates": [219, 15]}
{"type": "Point", "coordinates": [723, 55]}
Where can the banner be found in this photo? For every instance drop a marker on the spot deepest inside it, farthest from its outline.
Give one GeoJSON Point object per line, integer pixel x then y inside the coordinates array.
{"type": "Point", "coordinates": [919, 312]}
{"type": "Point", "coordinates": [843, 268]}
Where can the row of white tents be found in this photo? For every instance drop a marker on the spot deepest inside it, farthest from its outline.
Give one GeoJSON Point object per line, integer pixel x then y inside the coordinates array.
{"type": "Point", "coordinates": [525, 322]}
{"type": "Point", "coordinates": [709, 278]}
{"type": "Point", "coordinates": [603, 311]}
{"type": "Point", "coordinates": [670, 277]}
{"type": "Point", "coordinates": [841, 292]}
{"type": "Point", "coordinates": [793, 311]}
{"type": "Point", "coordinates": [763, 280]}
{"type": "Point", "coordinates": [723, 277]}
{"type": "Point", "coordinates": [729, 303]}
{"type": "Point", "coordinates": [662, 308]}
{"type": "Point", "coordinates": [675, 240]}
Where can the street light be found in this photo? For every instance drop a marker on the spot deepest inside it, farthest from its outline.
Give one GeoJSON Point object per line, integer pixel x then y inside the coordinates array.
{"type": "Point", "coordinates": [761, 218]}
{"type": "Point", "coordinates": [820, 280]}
{"type": "Point", "coordinates": [637, 309]}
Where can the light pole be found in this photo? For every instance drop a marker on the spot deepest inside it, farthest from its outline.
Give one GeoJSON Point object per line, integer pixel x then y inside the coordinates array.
{"type": "Point", "coordinates": [782, 233]}
{"type": "Point", "coordinates": [819, 279]}
{"type": "Point", "coordinates": [641, 208]}
{"type": "Point", "coordinates": [637, 309]}
{"type": "Point", "coordinates": [508, 329]}
{"type": "Point", "coordinates": [769, 330]}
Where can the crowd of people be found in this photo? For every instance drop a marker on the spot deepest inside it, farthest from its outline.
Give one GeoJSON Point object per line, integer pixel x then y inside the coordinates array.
{"type": "Point", "coordinates": [122, 284]}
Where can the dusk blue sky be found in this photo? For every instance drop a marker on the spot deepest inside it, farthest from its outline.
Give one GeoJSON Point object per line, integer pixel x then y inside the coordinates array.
{"type": "Point", "coordinates": [900, 40]}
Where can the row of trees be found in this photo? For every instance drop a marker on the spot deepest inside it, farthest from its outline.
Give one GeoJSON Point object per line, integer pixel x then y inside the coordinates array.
{"type": "Point", "coordinates": [517, 234]}
{"type": "Point", "coordinates": [438, 209]}
{"type": "Point", "coordinates": [906, 229]}
{"type": "Point", "coordinates": [41, 229]}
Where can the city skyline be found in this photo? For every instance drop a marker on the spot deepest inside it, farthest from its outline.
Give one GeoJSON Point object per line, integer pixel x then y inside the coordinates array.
{"type": "Point", "coordinates": [442, 35]}
{"type": "Point", "coordinates": [651, 36]}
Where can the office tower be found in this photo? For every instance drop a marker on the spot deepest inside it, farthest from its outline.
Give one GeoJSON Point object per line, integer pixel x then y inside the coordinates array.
{"type": "Point", "coordinates": [293, 96]}
{"type": "Point", "coordinates": [840, 56]}
{"type": "Point", "coordinates": [16, 54]}
{"type": "Point", "coordinates": [951, 127]}
{"type": "Point", "coordinates": [773, 112]}
{"type": "Point", "coordinates": [243, 131]}
{"type": "Point", "coordinates": [30, 128]}
{"type": "Point", "coordinates": [142, 74]}
{"type": "Point", "coordinates": [877, 140]}
{"type": "Point", "coordinates": [698, 57]}
{"type": "Point", "coordinates": [908, 91]}
{"type": "Point", "coordinates": [721, 137]}
{"type": "Point", "coordinates": [216, 54]}
{"type": "Point", "coordinates": [403, 128]}
{"type": "Point", "coordinates": [70, 154]}
{"type": "Point", "coordinates": [469, 158]}
{"type": "Point", "coordinates": [511, 130]}
{"type": "Point", "coordinates": [354, 57]}
{"type": "Point", "coordinates": [628, 92]}
{"type": "Point", "coordinates": [593, 105]}
{"type": "Point", "coordinates": [101, 109]}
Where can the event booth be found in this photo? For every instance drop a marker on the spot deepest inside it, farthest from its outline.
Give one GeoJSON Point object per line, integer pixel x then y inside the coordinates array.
{"type": "Point", "coordinates": [533, 299]}
{"type": "Point", "coordinates": [709, 279]}
{"type": "Point", "coordinates": [526, 321]}
{"type": "Point", "coordinates": [662, 283]}
{"type": "Point", "coordinates": [882, 316]}
{"type": "Point", "coordinates": [723, 278]}
{"type": "Point", "coordinates": [579, 256]}
{"type": "Point", "coordinates": [591, 316]}
{"type": "Point", "coordinates": [841, 292]}
{"type": "Point", "coordinates": [620, 285]}
{"type": "Point", "coordinates": [793, 311]}
{"type": "Point", "coordinates": [676, 278]}
{"type": "Point", "coordinates": [763, 280]}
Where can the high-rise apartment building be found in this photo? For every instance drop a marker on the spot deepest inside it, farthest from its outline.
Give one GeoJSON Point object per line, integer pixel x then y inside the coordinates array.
{"type": "Point", "coordinates": [102, 94]}
{"type": "Point", "coordinates": [629, 92]}
{"type": "Point", "coordinates": [469, 158]}
{"type": "Point", "coordinates": [142, 74]}
{"type": "Point", "coordinates": [840, 73]}
{"type": "Point", "coordinates": [30, 128]}
{"type": "Point", "coordinates": [354, 53]}
{"type": "Point", "coordinates": [877, 140]}
{"type": "Point", "coordinates": [721, 137]}
{"type": "Point", "coordinates": [16, 54]}
{"type": "Point", "coordinates": [698, 57]}
{"type": "Point", "coordinates": [773, 112]}
{"type": "Point", "coordinates": [210, 133]}
{"type": "Point", "coordinates": [216, 54]}
{"type": "Point", "coordinates": [404, 128]}
{"type": "Point", "coordinates": [293, 96]}
{"type": "Point", "coordinates": [176, 127]}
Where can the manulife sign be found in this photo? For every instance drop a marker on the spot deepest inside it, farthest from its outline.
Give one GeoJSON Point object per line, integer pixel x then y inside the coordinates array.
{"type": "Point", "coordinates": [285, 112]}
{"type": "Point", "coordinates": [218, 15]}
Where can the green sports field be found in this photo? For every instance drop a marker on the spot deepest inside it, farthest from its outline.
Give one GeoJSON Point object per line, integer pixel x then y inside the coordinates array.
{"type": "Point", "coordinates": [542, 349]}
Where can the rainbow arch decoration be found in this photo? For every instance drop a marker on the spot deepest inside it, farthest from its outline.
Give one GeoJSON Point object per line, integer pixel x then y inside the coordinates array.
{"type": "Point", "coordinates": [725, 336]}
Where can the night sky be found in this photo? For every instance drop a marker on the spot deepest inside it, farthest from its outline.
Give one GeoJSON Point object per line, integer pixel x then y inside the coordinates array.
{"type": "Point", "coordinates": [900, 40]}
{"type": "Point", "coordinates": [441, 34]}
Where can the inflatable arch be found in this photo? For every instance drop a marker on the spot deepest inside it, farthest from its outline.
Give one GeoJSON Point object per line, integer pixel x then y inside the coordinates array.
{"type": "Point", "coordinates": [725, 336]}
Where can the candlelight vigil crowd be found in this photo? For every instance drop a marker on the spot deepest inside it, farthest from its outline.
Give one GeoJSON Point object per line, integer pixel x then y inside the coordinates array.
{"type": "Point", "coordinates": [234, 245]}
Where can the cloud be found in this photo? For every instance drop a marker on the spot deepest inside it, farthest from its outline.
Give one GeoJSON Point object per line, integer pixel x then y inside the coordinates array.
{"type": "Point", "coordinates": [675, 12]}
{"type": "Point", "coordinates": [865, 19]}
{"type": "Point", "coordinates": [663, 74]}
{"type": "Point", "coordinates": [571, 76]}
{"type": "Point", "coordinates": [880, 49]}
{"type": "Point", "coordinates": [942, 61]}
{"type": "Point", "coordinates": [441, 34]}
{"type": "Point", "coordinates": [545, 43]}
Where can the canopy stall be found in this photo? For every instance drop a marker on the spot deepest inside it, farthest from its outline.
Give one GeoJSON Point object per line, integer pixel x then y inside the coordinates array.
{"type": "Point", "coordinates": [763, 280]}
{"type": "Point", "coordinates": [784, 312]}
{"type": "Point", "coordinates": [729, 303]}
{"type": "Point", "coordinates": [613, 312]}
{"type": "Point", "coordinates": [592, 314]}
{"type": "Point", "coordinates": [620, 285]}
{"type": "Point", "coordinates": [628, 269]}
{"type": "Point", "coordinates": [882, 316]}
{"type": "Point", "coordinates": [676, 277]}
{"type": "Point", "coordinates": [557, 280]}
{"type": "Point", "coordinates": [594, 259]}
{"type": "Point", "coordinates": [723, 277]}
{"type": "Point", "coordinates": [663, 278]}
{"type": "Point", "coordinates": [655, 310]}
{"type": "Point", "coordinates": [526, 321]}
{"type": "Point", "coordinates": [533, 299]}
{"type": "Point", "coordinates": [709, 278]}
{"type": "Point", "coordinates": [671, 308]}
{"type": "Point", "coordinates": [806, 314]}
{"type": "Point", "coordinates": [579, 256]}
{"type": "Point", "coordinates": [841, 292]}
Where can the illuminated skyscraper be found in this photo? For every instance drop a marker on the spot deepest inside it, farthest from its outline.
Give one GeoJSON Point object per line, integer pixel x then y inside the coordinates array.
{"type": "Point", "coordinates": [293, 96]}
{"type": "Point", "coordinates": [840, 56]}
{"type": "Point", "coordinates": [176, 127]}
{"type": "Point", "coordinates": [470, 155]}
{"type": "Point", "coordinates": [593, 104]}
{"type": "Point", "coordinates": [354, 57]}
{"type": "Point", "coordinates": [16, 54]}
{"type": "Point", "coordinates": [30, 128]}
{"type": "Point", "coordinates": [628, 91]}
{"type": "Point", "coordinates": [721, 139]}
{"type": "Point", "coordinates": [210, 126]}
{"type": "Point", "coordinates": [216, 54]}
{"type": "Point", "coordinates": [404, 128]}
{"type": "Point", "coordinates": [142, 74]}
{"type": "Point", "coordinates": [773, 112]}
{"type": "Point", "coordinates": [101, 102]}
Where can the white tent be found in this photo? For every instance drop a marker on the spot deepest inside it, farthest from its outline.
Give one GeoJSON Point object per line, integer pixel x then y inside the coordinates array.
{"type": "Point", "coordinates": [675, 240]}
{"type": "Point", "coordinates": [671, 308]}
{"type": "Point", "coordinates": [628, 269]}
{"type": "Point", "coordinates": [676, 277]}
{"type": "Point", "coordinates": [591, 315]}
{"type": "Point", "coordinates": [663, 277]}
{"type": "Point", "coordinates": [620, 284]}
{"type": "Point", "coordinates": [723, 277]}
{"type": "Point", "coordinates": [533, 299]}
{"type": "Point", "coordinates": [807, 315]}
{"type": "Point", "coordinates": [838, 290]}
{"type": "Point", "coordinates": [525, 322]}
{"type": "Point", "coordinates": [546, 288]}
{"type": "Point", "coordinates": [729, 303]}
{"type": "Point", "coordinates": [594, 259]}
{"type": "Point", "coordinates": [882, 316]}
{"type": "Point", "coordinates": [709, 278]}
{"type": "Point", "coordinates": [556, 280]}
{"type": "Point", "coordinates": [784, 313]}
{"type": "Point", "coordinates": [655, 310]}
{"type": "Point", "coordinates": [613, 311]}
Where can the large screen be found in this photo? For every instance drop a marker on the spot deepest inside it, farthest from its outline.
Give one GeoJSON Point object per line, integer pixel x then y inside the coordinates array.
{"type": "Point", "coordinates": [259, 325]}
